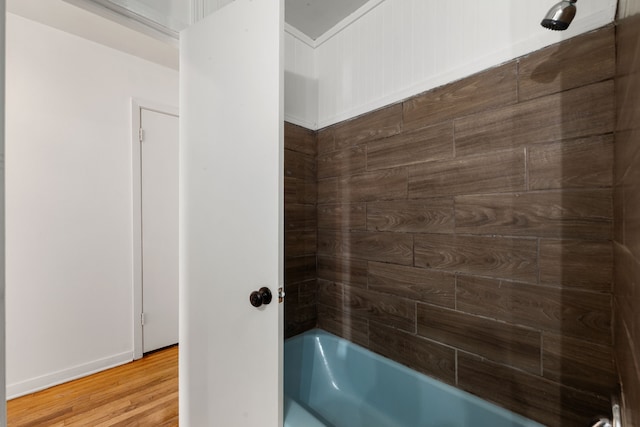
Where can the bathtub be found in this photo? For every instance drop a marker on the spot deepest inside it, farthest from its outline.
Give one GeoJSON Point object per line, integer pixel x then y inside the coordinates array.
{"type": "Point", "coordinates": [329, 381]}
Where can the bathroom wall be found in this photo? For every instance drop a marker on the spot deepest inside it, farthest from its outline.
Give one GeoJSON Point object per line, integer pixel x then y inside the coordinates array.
{"type": "Point", "coordinates": [466, 231]}
{"type": "Point", "coordinates": [300, 229]}
{"type": "Point", "coordinates": [402, 47]}
{"type": "Point", "coordinates": [627, 216]}
{"type": "Point", "coordinates": [300, 82]}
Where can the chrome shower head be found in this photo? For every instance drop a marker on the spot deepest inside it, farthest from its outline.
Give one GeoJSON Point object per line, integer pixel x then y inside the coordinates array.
{"type": "Point", "coordinates": [560, 15]}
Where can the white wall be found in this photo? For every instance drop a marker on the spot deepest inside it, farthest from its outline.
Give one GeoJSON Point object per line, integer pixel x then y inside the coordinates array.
{"type": "Point", "coordinates": [211, 6]}
{"type": "Point", "coordinates": [628, 8]}
{"type": "Point", "coordinates": [68, 196]}
{"type": "Point", "coordinates": [300, 82]}
{"type": "Point", "coordinates": [400, 48]}
{"type": "Point", "coordinates": [89, 25]}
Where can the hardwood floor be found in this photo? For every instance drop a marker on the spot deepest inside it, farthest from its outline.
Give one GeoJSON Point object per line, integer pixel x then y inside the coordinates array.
{"type": "Point", "coordinates": [141, 393]}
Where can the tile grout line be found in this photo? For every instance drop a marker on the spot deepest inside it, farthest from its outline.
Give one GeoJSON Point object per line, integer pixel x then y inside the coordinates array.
{"type": "Point", "coordinates": [453, 136]}
{"type": "Point", "coordinates": [527, 186]}
{"type": "Point", "coordinates": [456, 354]}
{"type": "Point", "coordinates": [541, 353]}
{"type": "Point", "coordinates": [517, 81]}
{"type": "Point", "coordinates": [455, 291]}
{"type": "Point", "coordinates": [538, 241]}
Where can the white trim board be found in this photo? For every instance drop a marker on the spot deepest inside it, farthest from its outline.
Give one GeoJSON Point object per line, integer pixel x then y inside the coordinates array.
{"type": "Point", "coordinates": [299, 35]}
{"type": "Point", "coordinates": [300, 122]}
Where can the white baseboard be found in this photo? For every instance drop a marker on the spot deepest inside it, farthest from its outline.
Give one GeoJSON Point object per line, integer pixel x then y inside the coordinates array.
{"type": "Point", "coordinates": [49, 380]}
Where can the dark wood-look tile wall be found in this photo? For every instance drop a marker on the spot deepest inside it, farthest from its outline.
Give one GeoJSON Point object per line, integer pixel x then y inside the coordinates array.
{"type": "Point", "coordinates": [569, 312]}
{"type": "Point", "coordinates": [559, 214]}
{"type": "Point", "coordinates": [510, 344]}
{"type": "Point", "coordinates": [505, 257]}
{"type": "Point", "coordinates": [548, 402]}
{"type": "Point", "coordinates": [580, 112]}
{"type": "Point", "coordinates": [301, 228]}
{"type": "Point", "coordinates": [412, 216]}
{"type": "Point", "coordinates": [425, 356]}
{"type": "Point", "coordinates": [417, 284]}
{"type": "Point", "coordinates": [368, 127]}
{"type": "Point", "coordinates": [577, 263]}
{"type": "Point", "coordinates": [627, 216]}
{"type": "Point", "coordinates": [466, 232]}
{"type": "Point", "coordinates": [582, 163]}
{"type": "Point", "coordinates": [586, 366]}
{"type": "Point", "coordinates": [343, 270]}
{"type": "Point", "coordinates": [580, 61]}
{"type": "Point", "coordinates": [496, 87]}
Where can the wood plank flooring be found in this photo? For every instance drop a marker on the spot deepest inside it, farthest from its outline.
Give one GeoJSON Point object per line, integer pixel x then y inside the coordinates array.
{"type": "Point", "coordinates": [141, 393]}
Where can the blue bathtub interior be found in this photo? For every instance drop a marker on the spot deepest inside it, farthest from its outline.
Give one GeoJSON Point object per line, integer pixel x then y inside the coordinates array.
{"type": "Point", "coordinates": [329, 381]}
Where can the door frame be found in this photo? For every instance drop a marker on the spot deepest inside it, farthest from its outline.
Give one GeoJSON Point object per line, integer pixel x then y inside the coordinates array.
{"type": "Point", "coordinates": [136, 202]}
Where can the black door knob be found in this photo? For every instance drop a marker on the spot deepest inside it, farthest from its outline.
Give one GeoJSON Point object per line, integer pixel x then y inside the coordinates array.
{"type": "Point", "coordinates": [255, 299]}
{"type": "Point", "coordinates": [266, 295]}
{"type": "Point", "coordinates": [261, 296]}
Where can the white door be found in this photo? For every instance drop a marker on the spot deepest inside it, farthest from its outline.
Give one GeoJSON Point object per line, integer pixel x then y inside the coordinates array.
{"type": "Point", "coordinates": [231, 133]}
{"type": "Point", "coordinates": [159, 209]}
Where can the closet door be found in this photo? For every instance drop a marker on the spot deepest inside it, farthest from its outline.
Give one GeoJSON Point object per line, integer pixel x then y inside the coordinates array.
{"type": "Point", "coordinates": [159, 228]}
{"type": "Point", "coordinates": [231, 145]}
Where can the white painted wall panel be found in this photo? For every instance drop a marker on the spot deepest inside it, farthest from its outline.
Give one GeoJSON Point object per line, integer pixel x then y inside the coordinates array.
{"type": "Point", "coordinates": [211, 6]}
{"type": "Point", "coordinates": [628, 8]}
{"type": "Point", "coordinates": [403, 47]}
{"type": "Point", "coordinates": [69, 201]}
{"type": "Point", "coordinates": [300, 82]}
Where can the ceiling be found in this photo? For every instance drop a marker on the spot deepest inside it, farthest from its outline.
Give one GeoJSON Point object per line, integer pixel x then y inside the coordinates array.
{"type": "Point", "coordinates": [316, 17]}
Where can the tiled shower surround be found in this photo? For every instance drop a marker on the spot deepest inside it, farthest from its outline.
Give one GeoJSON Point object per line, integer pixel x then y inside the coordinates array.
{"type": "Point", "coordinates": [467, 231]}
{"type": "Point", "coordinates": [300, 229]}
{"type": "Point", "coordinates": [627, 215]}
